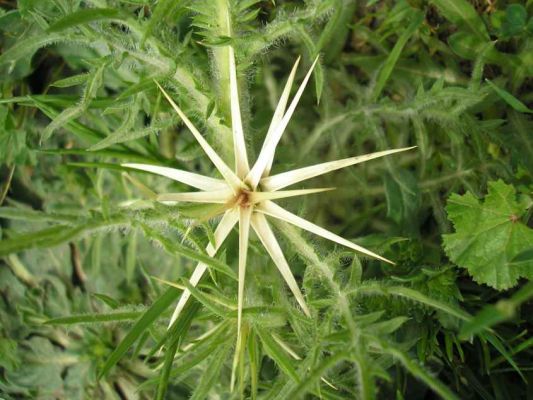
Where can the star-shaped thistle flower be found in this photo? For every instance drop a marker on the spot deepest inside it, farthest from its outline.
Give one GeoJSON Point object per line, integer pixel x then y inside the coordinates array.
{"type": "Point", "coordinates": [248, 193]}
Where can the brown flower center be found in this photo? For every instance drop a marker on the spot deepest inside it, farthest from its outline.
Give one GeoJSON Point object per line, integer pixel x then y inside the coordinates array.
{"type": "Point", "coordinates": [242, 199]}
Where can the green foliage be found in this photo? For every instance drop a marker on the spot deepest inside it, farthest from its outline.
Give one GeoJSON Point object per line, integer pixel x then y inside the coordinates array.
{"type": "Point", "coordinates": [515, 21]}
{"type": "Point", "coordinates": [510, 99]}
{"type": "Point", "coordinates": [91, 267]}
{"type": "Point", "coordinates": [489, 235]}
{"type": "Point", "coordinates": [493, 314]}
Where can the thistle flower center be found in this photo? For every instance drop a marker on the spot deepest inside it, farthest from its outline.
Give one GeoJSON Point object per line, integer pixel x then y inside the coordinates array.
{"type": "Point", "coordinates": [242, 198]}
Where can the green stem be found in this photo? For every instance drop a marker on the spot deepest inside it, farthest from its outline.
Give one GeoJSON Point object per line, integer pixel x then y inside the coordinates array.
{"type": "Point", "coordinates": [7, 185]}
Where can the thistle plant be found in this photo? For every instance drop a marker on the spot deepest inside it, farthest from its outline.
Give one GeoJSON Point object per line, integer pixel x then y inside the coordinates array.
{"type": "Point", "coordinates": [246, 194]}
{"type": "Point", "coordinates": [221, 282]}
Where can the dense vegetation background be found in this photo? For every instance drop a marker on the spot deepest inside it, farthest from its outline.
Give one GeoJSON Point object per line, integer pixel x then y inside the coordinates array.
{"type": "Point", "coordinates": [81, 313]}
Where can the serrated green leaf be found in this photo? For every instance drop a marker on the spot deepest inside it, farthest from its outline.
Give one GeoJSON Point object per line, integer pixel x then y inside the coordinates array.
{"type": "Point", "coordinates": [488, 235]}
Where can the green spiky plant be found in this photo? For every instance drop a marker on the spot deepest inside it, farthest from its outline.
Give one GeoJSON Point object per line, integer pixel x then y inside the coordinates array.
{"type": "Point", "coordinates": [117, 283]}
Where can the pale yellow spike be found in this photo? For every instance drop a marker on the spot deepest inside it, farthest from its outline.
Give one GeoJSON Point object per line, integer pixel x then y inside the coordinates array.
{"type": "Point", "coordinates": [215, 197]}
{"type": "Point", "coordinates": [267, 237]}
{"type": "Point", "coordinates": [280, 110]}
{"type": "Point", "coordinates": [188, 178]}
{"type": "Point", "coordinates": [256, 197]}
{"type": "Point", "coordinates": [244, 234]}
{"type": "Point", "coordinates": [269, 148]}
{"type": "Point", "coordinates": [272, 209]}
{"type": "Point", "coordinates": [239, 146]}
{"type": "Point", "coordinates": [226, 172]}
{"type": "Point", "coordinates": [222, 231]}
{"type": "Point", "coordinates": [276, 182]}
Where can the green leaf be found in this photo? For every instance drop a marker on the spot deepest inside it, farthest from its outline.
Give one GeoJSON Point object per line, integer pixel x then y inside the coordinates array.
{"type": "Point", "coordinates": [463, 14]}
{"type": "Point", "coordinates": [253, 356]}
{"type": "Point", "coordinates": [305, 385]}
{"type": "Point", "coordinates": [59, 234]}
{"type": "Point", "coordinates": [84, 16]}
{"type": "Point", "coordinates": [210, 376]}
{"type": "Point", "coordinates": [419, 372]}
{"type": "Point", "coordinates": [163, 9]}
{"type": "Point", "coordinates": [94, 81]}
{"type": "Point", "coordinates": [510, 99]}
{"type": "Point", "coordinates": [403, 197]}
{"type": "Point", "coordinates": [313, 50]}
{"type": "Point", "coordinates": [94, 318]}
{"type": "Point", "coordinates": [120, 154]}
{"type": "Point", "coordinates": [83, 131]}
{"type": "Point", "coordinates": [176, 333]}
{"type": "Point", "coordinates": [44, 238]}
{"type": "Point", "coordinates": [530, 25]}
{"type": "Point", "coordinates": [176, 248]}
{"type": "Point", "coordinates": [148, 317]}
{"type": "Point", "coordinates": [142, 86]}
{"type": "Point", "coordinates": [27, 47]}
{"type": "Point", "coordinates": [488, 235]}
{"type": "Point", "coordinates": [498, 345]}
{"type": "Point", "coordinates": [13, 149]}
{"type": "Point", "coordinates": [277, 353]}
{"type": "Point", "coordinates": [8, 354]}
{"type": "Point", "coordinates": [387, 67]}
{"type": "Point", "coordinates": [63, 118]}
{"type": "Point", "coordinates": [515, 19]}
{"type": "Point", "coordinates": [71, 81]}
{"type": "Point", "coordinates": [170, 353]}
{"type": "Point", "coordinates": [122, 135]}
{"type": "Point", "coordinates": [189, 311]}
{"type": "Point", "coordinates": [495, 313]}
{"type": "Point", "coordinates": [200, 351]}
{"type": "Point", "coordinates": [523, 257]}
{"type": "Point", "coordinates": [211, 302]}
{"type": "Point", "coordinates": [389, 326]}
{"type": "Point", "coordinates": [108, 300]}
